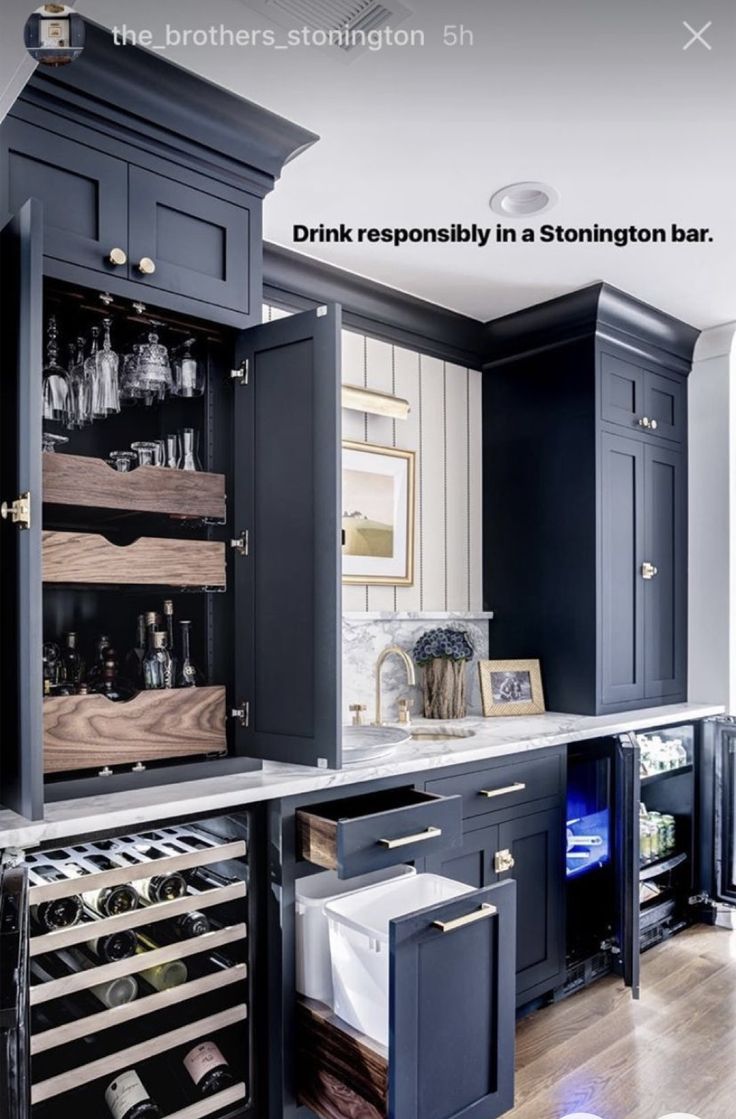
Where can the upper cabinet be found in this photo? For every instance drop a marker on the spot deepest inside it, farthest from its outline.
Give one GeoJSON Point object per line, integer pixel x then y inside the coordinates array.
{"type": "Point", "coordinates": [585, 506]}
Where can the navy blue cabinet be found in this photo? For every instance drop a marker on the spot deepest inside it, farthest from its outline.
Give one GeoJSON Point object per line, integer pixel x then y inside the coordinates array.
{"type": "Point", "coordinates": [585, 502]}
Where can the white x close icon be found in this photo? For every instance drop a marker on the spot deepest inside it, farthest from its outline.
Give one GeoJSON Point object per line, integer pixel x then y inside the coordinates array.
{"type": "Point", "coordinates": [697, 36]}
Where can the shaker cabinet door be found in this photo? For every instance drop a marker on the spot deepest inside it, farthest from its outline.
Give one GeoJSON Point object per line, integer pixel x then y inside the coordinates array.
{"type": "Point", "coordinates": [286, 439]}
{"type": "Point", "coordinates": [622, 390]}
{"type": "Point", "coordinates": [84, 193]}
{"type": "Point", "coordinates": [21, 361]}
{"type": "Point", "coordinates": [621, 628]}
{"type": "Point", "coordinates": [665, 591]}
{"type": "Point", "coordinates": [189, 242]}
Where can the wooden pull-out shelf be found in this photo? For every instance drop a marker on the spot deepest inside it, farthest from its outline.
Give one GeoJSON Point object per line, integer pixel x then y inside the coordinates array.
{"type": "Point", "coordinates": [90, 732]}
{"type": "Point", "coordinates": [340, 1072]}
{"type": "Point", "coordinates": [92, 484]}
{"type": "Point", "coordinates": [82, 557]}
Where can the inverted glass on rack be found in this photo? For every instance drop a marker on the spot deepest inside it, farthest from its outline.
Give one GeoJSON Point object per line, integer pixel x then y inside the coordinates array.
{"type": "Point", "coordinates": [56, 396]}
{"type": "Point", "coordinates": [80, 388]}
{"type": "Point", "coordinates": [189, 457]}
{"type": "Point", "coordinates": [188, 373]}
{"type": "Point", "coordinates": [50, 442]}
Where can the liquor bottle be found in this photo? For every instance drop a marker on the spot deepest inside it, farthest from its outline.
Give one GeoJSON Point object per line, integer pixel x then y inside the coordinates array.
{"type": "Point", "coordinates": [208, 1069]}
{"type": "Point", "coordinates": [158, 667]}
{"type": "Point", "coordinates": [127, 1098]}
{"type": "Point", "coordinates": [202, 878]}
{"type": "Point", "coordinates": [113, 686]}
{"type": "Point", "coordinates": [60, 913]}
{"type": "Point", "coordinates": [161, 887]}
{"type": "Point", "coordinates": [162, 977]}
{"type": "Point", "coordinates": [116, 992]}
{"type": "Point", "coordinates": [134, 659]}
{"type": "Point", "coordinates": [185, 927]}
{"type": "Point", "coordinates": [95, 672]}
{"type": "Point", "coordinates": [52, 666]}
{"type": "Point", "coordinates": [72, 662]}
{"type": "Point", "coordinates": [189, 676]}
{"type": "Point", "coordinates": [117, 946]}
{"type": "Point", "coordinates": [169, 619]}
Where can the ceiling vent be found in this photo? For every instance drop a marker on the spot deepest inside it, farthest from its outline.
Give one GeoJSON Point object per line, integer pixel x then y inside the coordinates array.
{"type": "Point", "coordinates": [344, 27]}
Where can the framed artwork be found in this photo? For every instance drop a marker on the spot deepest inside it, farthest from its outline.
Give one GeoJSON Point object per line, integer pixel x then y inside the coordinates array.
{"type": "Point", "coordinates": [378, 514]}
{"type": "Point", "coordinates": [511, 687]}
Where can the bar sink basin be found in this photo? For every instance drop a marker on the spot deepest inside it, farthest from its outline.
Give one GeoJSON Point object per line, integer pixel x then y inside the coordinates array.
{"type": "Point", "coordinates": [360, 744]}
{"type": "Point", "coordinates": [440, 734]}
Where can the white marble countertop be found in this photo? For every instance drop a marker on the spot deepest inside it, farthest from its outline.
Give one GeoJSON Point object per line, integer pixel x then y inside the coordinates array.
{"type": "Point", "coordinates": [491, 738]}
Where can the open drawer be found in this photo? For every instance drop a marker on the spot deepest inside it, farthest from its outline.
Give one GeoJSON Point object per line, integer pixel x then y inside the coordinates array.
{"type": "Point", "coordinates": [451, 1022]}
{"type": "Point", "coordinates": [365, 833]}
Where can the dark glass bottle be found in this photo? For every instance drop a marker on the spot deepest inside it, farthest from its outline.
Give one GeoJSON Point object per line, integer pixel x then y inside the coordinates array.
{"type": "Point", "coordinates": [134, 659]}
{"type": "Point", "coordinates": [185, 927]}
{"type": "Point", "coordinates": [117, 946]}
{"type": "Point", "coordinates": [127, 1098]}
{"type": "Point", "coordinates": [60, 913]}
{"type": "Point", "coordinates": [169, 619]}
{"type": "Point", "coordinates": [208, 1069]}
{"type": "Point", "coordinates": [189, 676]}
{"type": "Point", "coordinates": [95, 672]}
{"type": "Point", "coordinates": [73, 661]}
{"type": "Point", "coordinates": [112, 685]}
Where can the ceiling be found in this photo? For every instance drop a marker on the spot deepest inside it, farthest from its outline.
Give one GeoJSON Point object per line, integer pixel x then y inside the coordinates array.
{"type": "Point", "coordinates": [598, 99]}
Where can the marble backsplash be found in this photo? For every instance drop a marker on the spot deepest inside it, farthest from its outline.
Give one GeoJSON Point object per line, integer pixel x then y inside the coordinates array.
{"type": "Point", "coordinates": [366, 635]}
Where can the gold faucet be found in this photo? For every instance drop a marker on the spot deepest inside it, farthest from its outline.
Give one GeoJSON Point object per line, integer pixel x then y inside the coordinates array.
{"type": "Point", "coordinates": [391, 650]}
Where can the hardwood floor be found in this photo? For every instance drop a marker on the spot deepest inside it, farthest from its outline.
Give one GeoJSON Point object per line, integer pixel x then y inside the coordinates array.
{"type": "Point", "coordinates": [673, 1051]}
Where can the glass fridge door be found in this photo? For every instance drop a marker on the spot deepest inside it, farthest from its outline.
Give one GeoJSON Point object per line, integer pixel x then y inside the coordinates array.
{"type": "Point", "coordinates": [718, 808]}
{"type": "Point", "coordinates": [14, 992]}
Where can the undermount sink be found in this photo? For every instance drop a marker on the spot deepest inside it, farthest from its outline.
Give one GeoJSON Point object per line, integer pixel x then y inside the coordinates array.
{"type": "Point", "coordinates": [365, 743]}
{"type": "Point", "coordinates": [439, 734]}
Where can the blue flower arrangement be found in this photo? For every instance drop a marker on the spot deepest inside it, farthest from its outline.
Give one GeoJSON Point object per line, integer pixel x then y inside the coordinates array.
{"type": "Point", "coordinates": [452, 644]}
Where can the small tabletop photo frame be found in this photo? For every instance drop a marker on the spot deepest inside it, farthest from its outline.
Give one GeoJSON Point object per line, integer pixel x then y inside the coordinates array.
{"type": "Point", "coordinates": [511, 687]}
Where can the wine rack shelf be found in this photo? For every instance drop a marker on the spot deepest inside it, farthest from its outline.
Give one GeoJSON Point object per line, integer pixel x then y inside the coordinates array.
{"type": "Point", "coordinates": [91, 483]}
{"type": "Point", "coordinates": [117, 1016]}
{"type": "Point", "coordinates": [89, 732]}
{"type": "Point", "coordinates": [73, 558]}
{"type": "Point", "coordinates": [135, 1054]}
{"type": "Point", "coordinates": [212, 1104]}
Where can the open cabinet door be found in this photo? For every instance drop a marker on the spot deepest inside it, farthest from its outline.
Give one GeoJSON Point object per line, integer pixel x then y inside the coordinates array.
{"type": "Point", "coordinates": [627, 796]}
{"type": "Point", "coordinates": [717, 810]}
{"type": "Point", "coordinates": [15, 1092]}
{"type": "Point", "coordinates": [21, 315]}
{"type": "Point", "coordinates": [287, 499]}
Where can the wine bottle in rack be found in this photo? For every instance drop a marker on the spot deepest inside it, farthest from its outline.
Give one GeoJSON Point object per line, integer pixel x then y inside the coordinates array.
{"type": "Point", "coordinates": [185, 927]}
{"type": "Point", "coordinates": [110, 901]}
{"type": "Point", "coordinates": [161, 887]}
{"type": "Point", "coordinates": [59, 913]}
{"type": "Point", "coordinates": [116, 992]}
{"type": "Point", "coordinates": [116, 946]}
{"type": "Point", "coordinates": [162, 977]}
{"type": "Point", "coordinates": [208, 1068]}
{"type": "Point", "coordinates": [127, 1098]}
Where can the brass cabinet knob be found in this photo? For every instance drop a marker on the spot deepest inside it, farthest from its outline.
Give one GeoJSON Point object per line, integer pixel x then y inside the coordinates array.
{"type": "Point", "coordinates": [503, 861]}
{"type": "Point", "coordinates": [118, 257]}
{"type": "Point", "coordinates": [653, 425]}
{"type": "Point", "coordinates": [147, 266]}
{"type": "Point", "coordinates": [646, 422]}
{"type": "Point", "coordinates": [649, 571]}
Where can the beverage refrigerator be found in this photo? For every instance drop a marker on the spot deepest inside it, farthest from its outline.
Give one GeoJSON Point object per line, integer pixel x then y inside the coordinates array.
{"type": "Point", "coordinates": [127, 979]}
{"type": "Point", "coordinates": [651, 844]}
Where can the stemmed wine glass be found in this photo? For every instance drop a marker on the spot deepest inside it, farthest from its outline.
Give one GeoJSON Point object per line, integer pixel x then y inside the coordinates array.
{"type": "Point", "coordinates": [56, 396]}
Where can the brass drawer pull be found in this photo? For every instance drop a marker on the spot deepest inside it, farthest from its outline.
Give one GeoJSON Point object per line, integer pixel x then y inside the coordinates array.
{"type": "Point", "coordinates": [406, 840]}
{"type": "Point", "coordinates": [469, 918]}
{"type": "Point", "coordinates": [517, 787]}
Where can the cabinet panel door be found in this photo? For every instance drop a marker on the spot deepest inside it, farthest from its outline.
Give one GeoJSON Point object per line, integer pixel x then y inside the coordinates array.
{"type": "Point", "coordinates": [84, 194]}
{"type": "Point", "coordinates": [665, 405]}
{"type": "Point", "coordinates": [621, 629]}
{"type": "Point", "coordinates": [21, 361]}
{"type": "Point", "coordinates": [451, 999]}
{"type": "Point", "coordinates": [665, 595]}
{"type": "Point", "coordinates": [622, 390]}
{"type": "Point", "coordinates": [200, 244]}
{"type": "Point", "coordinates": [473, 862]}
{"type": "Point", "coordinates": [536, 845]}
{"type": "Point", "coordinates": [286, 465]}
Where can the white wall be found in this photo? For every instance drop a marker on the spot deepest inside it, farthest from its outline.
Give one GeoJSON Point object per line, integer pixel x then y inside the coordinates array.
{"type": "Point", "coordinates": [444, 428]}
{"type": "Point", "coordinates": [712, 500]}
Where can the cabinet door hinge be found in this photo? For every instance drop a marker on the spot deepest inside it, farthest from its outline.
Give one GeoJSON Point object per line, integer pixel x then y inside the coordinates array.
{"type": "Point", "coordinates": [241, 544]}
{"type": "Point", "coordinates": [242, 714]}
{"type": "Point", "coordinates": [18, 511]}
{"type": "Point", "coordinates": [242, 373]}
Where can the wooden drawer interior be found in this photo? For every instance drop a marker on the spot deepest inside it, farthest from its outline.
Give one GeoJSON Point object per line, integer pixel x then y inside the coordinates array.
{"type": "Point", "coordinates": [340, 1072]}
{"type": "Point", "coordinates": [79, 557]}
{"type": "Point", "coordinates": [90, 483]}
{"type": "Point", "coordinates": [90, 732]}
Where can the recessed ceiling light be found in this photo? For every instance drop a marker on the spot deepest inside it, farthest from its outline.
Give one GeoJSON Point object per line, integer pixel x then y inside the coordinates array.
{"type": "Point", "coordinates": [519, 200]}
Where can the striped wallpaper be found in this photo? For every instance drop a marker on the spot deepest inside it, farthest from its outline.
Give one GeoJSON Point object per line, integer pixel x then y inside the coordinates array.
{"type": "Point", "coordinates": [444, 428]}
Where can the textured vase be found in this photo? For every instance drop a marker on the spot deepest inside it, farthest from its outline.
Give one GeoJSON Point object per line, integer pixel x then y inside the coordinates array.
{"type": "Point", "coordinates": [444, 689]}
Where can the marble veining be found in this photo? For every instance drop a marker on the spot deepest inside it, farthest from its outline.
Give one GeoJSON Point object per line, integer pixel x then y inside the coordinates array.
{"type": "Point", "coordinates": [364, 636]}
{"type": "Point", "coordinates": [497, 737]}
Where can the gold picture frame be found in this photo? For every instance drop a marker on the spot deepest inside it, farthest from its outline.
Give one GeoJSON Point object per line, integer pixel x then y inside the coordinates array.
{"type": "Point", "coordinates": [379, 492]}
{"type": "Point", "coordinates": [511, 687]}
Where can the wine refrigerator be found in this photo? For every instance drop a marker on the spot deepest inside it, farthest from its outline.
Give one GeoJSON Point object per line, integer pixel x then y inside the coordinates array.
{"type": "Point", "coordinates": [127, 975]}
